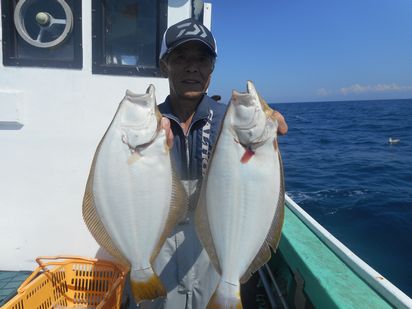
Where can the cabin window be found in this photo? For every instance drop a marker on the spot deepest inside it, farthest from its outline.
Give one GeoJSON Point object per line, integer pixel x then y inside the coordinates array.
{"type": "Point", "coordinates": [127, 36]}
{"type": "Point", "coordinates": [42, 33]}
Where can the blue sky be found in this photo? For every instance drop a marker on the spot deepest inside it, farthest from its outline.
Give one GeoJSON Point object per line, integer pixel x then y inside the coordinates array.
{"type": "Point", "coordinates": [318, 50]}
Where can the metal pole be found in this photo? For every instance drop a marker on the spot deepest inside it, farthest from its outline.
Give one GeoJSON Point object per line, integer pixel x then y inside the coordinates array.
{"type": "Point", "coordinates": [266, 285]}
{"type": "Point", "coordinates": [280, 296]}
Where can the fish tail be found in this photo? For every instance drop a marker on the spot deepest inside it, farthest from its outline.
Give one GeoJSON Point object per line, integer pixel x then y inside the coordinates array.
{"type": "Point", "coordinates": [226, 296]}
{"type": "Point", "coordinates": [146, 285]}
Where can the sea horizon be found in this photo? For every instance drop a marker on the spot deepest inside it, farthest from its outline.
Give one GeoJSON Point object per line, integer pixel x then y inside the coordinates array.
{"type": "Point", "coordinates": [340, 101]}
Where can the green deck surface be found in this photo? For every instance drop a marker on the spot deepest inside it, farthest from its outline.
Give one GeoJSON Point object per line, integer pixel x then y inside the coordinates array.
{"type": "Point", "coordinates": [328, 281]}
{"type": "Point", "coordinates": [9, 282]}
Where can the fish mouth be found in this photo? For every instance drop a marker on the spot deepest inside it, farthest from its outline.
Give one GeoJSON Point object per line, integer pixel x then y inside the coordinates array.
{"type": "Point", "coordinates": [131, 138]}
{"type": "Point", "coordinates": [140, 121]}
{"type": "Point", "coordinates": [248, 98]}
{"type": "Point", "coordinates": [247, 107]}
{"type": "Point", "coordinates": [139, 125]}
{"type": "Point", "coordinates": [246, 111]}
{"type": "Point", "coordinates": [249, 122]}
{"type": "Point", "coordinates": [139, 111]}
{"type": "Point", "coordinates": [242, 99]}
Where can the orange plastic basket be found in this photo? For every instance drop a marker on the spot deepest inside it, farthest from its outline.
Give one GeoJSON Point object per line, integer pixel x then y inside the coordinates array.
{"type": "Point", "coordinates": [70, 281]}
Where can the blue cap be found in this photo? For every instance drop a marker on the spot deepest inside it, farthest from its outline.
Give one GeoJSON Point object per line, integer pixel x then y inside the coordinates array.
{"type": "Point", "coordinates": [185, 31]}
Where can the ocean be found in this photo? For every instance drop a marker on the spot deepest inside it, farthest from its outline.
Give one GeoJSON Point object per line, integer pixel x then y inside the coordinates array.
{"type": "Point", "coordinates": [342, 170]}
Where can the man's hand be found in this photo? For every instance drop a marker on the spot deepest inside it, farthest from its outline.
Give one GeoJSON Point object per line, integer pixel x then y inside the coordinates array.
{"type": "Point", "coordinates": [165, 123]}
{"type": "Point", "coordinates": [282, 125]}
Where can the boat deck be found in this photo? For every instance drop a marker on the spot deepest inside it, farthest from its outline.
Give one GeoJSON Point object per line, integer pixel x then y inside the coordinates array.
{"type": "Point", "coordinates": [9, 283]}
{"type": "Point", "coordinates": [304, 273]}
{"type": "Point", "coordinates": [253, 293]}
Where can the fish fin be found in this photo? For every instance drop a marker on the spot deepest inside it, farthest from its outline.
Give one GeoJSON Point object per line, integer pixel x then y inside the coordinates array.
{"type": "Point", "coordinates": [177, 210]}
{"type": "Point", "coordinates": [267, 109]}
{"type": "Point", "coordinates": [275, 145]}
{"type": "Point", "coordinates": [179, 200]}
{"type": "Point", "coordinates": [274, 234]}
{"type": "Point", "coordinates": [276, 230]}
{"type": "Point", "coordinates": [203, 227]}
{"type": "Point", "coordinates": [226, 296]}
{"type": "Point", "coordinates": [270, 113]}
{"type": "Point", "coordinates": [147, 288]}
{"type": "Point", "coordinates": [92, 219]}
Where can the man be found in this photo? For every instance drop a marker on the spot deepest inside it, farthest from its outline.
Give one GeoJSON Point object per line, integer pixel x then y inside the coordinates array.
{"type": "Point", "coordinates": [192, 120]}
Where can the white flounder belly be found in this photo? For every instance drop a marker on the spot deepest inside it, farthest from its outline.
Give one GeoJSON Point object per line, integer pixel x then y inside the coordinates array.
{"type": "Point", "coordinates": [241, 203]}
{"type": "Point", "coordinates": [133, 199]}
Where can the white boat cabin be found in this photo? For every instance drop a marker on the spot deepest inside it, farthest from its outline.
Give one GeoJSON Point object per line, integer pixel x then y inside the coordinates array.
{"type": "Point", "coordinates": [65, 66]}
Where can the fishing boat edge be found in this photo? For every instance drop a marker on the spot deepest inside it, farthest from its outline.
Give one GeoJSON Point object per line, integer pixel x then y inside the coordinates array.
{"type": "Point", "coordinates": [325, 272]}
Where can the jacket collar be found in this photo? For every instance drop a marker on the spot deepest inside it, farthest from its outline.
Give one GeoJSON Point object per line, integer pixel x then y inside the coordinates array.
{"type": "Point", "coordinates": [202, 110]}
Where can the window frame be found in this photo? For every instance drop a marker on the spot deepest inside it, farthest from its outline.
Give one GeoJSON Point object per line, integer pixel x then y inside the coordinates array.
{"type": "Point", "coordinates": [98, 43]}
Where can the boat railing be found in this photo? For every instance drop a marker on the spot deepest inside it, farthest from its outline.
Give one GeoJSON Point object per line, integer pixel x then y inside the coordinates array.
{"type": "Point", "coordinates": [378, 282]}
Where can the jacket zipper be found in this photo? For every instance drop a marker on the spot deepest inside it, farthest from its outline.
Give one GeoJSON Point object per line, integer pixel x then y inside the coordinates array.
{"type": "Point", "coordinates": [189, 182]}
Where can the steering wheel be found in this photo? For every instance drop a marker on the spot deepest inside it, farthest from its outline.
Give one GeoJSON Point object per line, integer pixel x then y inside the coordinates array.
{"type": "Point", "coordinates": [46, 24]}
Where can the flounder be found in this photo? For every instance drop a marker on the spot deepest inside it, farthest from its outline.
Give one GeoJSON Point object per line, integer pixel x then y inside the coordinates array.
{"type": "Point", "coordinates": [241, 205]}
{"type": "Point", "coordinates": [133, 199]}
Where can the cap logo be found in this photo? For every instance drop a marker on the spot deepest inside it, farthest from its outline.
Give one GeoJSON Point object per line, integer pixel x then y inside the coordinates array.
{"type": "Point", "coordinates": [196, 29]}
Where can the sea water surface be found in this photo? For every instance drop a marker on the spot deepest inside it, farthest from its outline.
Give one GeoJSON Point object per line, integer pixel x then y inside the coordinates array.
{"type": "Point", "coordinates": [341, 169]}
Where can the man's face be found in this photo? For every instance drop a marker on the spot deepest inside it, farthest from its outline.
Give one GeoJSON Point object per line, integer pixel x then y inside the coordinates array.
{"type": "Point", "coordinates": [188, 68]}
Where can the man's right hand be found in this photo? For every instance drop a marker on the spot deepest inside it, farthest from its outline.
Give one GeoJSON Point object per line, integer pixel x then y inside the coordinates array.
{"type": "Point", "coordinates": [169, 134]}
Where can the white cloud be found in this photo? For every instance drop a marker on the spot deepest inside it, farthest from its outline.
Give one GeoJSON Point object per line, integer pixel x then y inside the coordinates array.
{"type": "Point", "coordinates": [322, 92]}
{"type": "Point", "coordinates": [357, 88]}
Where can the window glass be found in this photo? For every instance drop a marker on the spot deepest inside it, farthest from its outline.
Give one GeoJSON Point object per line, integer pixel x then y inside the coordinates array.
{"type": "Point", "coordinates": [130, 27]}
{"type": "Point", "coordinates": [130, 40]}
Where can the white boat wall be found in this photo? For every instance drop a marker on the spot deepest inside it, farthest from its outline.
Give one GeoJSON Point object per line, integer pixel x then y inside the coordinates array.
{"type": "Point", "coordinates": [66, 65]}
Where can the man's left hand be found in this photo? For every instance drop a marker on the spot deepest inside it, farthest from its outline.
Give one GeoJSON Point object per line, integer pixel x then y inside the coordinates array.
{"type": "Point", "coordinates": [282, 125]}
